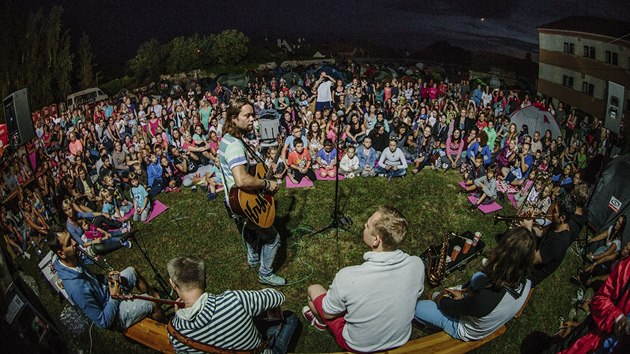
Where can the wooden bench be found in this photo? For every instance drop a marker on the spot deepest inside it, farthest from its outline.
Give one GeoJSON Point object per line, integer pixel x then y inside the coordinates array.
{"type": "Point", "coordinates": [529, 297]}
{"type": "Point", "coordinates": [443, 343]}
{"type": "Point", "coordinates": [150, 333]}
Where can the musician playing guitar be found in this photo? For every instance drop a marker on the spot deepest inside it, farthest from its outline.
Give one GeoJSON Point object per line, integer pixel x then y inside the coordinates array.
{"type": "Point", "coordinates": [248, 197]}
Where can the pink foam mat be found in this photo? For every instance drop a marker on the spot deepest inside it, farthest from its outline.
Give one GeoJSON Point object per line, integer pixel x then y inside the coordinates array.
{"type": "Point", "coordinates": [487, 208]}
{"type": "Point", "coordinates": [158, 208]}
{"type": "Point", "coordinates": [513, 200]}
{"type": "Point", "coordinates": [305, 182]}
{"type": "Point", "coordinates": [462, 184]}
{"type": "Point", "coordinates": [320, 178]}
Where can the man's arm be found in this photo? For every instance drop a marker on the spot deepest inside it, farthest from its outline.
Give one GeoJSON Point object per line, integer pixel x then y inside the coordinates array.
{"type": "Point", "coordinates": [245, 181]}
{"type": "Point", "coordinates": [102, 317]}
{"type": "Point", "coordinates": [256, 302]}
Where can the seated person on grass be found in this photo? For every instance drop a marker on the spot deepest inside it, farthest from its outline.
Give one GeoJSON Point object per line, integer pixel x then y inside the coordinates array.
{"type": "Point", "coordinates": [517, 174]}
{"type": "Point", "coordinates": [480, 148]}
{"type": "Point", "coordinates": [367, 158]}
{"type": "Point", "coordinates": [327, 160]}
{"type": "Point", "coordinates": [141, 201]}
{"type": "Point", "coordinates": [477, 170]}
{"type": "Point", "coordinates": [594, 275]}
{"type": "Point", "coordinates": [369, 307]}
{"type": "Point", "coordinates": [392, 162]}
{"type": "Point", "coordinates": [93, 234]}
{"type": "Point", "coordinates": [278, 168]}
{"type": "Point", "coordinates": [608, 242]}
{"type": "Point", "coordinates": [486, 187]}
{"type": "Point", "coordinates": [299, 162]}
{"type": "Point", "coordinates": [93, 293]}
{"type": "Point", "coordinates": [491, 298]}
{"type": "Point", "coordinates": [110, 208]}
{"type": "Point", "coordinates": [119, 199]}
{"type": "Point", "coordinates": [349, 164]}
{"type": "Point", "coordinates": [154, 174]}
{"type": "Point", "coordinates": [191, 169]}
{"type": "Point", "coordinates": [423, 144]}
{"type": "Point", "coordinates": [170, 175]}
{"type": "Point", "coordinates": [214, 180]}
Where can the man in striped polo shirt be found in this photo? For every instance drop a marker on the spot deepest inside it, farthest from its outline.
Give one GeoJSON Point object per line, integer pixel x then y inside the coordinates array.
{"type": "Point", "coordinates": [225, 321]}
{"type": "Point", "coordinates": [262, 244]}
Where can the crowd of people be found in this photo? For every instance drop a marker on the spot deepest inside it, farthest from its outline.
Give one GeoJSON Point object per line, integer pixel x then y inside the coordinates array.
{"type": "Point", "coordinates": [95, 168]}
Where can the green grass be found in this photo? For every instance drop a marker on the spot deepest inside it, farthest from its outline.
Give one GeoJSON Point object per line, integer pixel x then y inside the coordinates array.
{"type": "Point", "coordinates": [194, 226]}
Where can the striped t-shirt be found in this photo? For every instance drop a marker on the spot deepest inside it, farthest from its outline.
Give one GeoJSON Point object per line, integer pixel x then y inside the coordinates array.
{"type": "Point", "coordinates": [226, 320]}
{"type": "Point", "coordinates": [231, 154]}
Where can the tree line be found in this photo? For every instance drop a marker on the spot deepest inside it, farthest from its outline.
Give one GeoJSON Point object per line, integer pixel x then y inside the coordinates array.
{"type": "Point", "coordinates": [35, 52]}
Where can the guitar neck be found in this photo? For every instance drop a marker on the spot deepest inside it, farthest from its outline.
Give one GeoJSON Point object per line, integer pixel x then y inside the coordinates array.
{"type": "Point", "coordinates": [179, 304]}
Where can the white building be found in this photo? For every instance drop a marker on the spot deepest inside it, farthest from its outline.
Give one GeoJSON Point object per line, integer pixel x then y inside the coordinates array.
{"type": "Point", "coordinates": [578, 57]}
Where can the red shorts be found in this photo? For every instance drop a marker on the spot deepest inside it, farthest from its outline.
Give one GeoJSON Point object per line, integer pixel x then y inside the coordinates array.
{"type": "Point", "coordinates": [336, 326]}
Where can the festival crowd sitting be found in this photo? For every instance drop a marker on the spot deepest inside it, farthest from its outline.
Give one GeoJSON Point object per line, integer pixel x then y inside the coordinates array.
{"type": "Point", "coordinates": [94, 168]}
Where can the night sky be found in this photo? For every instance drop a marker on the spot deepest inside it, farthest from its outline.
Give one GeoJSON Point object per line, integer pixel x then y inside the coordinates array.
{"type": "Point", "coordinates": [117, 28]}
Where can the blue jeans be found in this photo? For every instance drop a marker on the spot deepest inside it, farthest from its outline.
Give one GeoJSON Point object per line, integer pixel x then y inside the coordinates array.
{"type": "Point", "coordinates": [428, 313]}
{"type": "Point", "coordinates": [262, 245]}
{"type": "Point", "coordinates": [280, 335]}
{"type": "Point", "coordinates": [391, 173]}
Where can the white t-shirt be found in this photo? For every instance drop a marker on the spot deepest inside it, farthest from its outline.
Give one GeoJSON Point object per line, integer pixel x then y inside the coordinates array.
{"type": "Point", "coordinates": [323, 92]}
{"type": "Point", "coordinates": [378, 298]}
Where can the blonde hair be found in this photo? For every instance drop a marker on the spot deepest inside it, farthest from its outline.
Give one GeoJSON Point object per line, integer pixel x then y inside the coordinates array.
{"type": "Point", "coordinates": [391, 226]}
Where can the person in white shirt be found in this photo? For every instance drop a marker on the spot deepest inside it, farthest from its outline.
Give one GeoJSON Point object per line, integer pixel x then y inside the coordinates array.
{"type": "Point", "coordinates": [392, 162]}
{"type": "Point", "coordinates": [324, 94]}
{"type": "Point", "coordinates": [369, 307]}
{"type": "Point", "coordinates": [349, 164]}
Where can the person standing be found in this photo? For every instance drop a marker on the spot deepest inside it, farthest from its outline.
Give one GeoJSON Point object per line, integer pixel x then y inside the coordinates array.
{"type": "Point", "coordinates": [262, 244]}
{"type": "Point", "coordinates": [369, 307]}
{"type": "Point", "coordinates": [324, 94]}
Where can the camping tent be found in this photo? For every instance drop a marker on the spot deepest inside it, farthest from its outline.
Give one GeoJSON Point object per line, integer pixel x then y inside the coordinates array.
{"type": "Point", "coordinates": [231, 80]}
{"type": "Point", "coordinates": [611, 196]}
{"type": "Point", "coordinates": [536, 120]}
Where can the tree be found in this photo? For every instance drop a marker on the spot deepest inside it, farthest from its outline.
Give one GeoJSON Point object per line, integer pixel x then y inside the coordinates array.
{"type": "Point", "coordinates": [85, 73]}
{"type": "Point", "coordinates": [229, 47]}
{"type": "Point", "coordinates": [147, 64]}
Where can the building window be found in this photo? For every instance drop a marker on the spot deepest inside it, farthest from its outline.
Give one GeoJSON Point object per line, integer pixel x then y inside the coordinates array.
{"type": "Point", "coordinates": [567, 81]}
{"type": "Point", "coordinates": [588, 88]}
{"type": "Point", "coordinates": [569, 47]}
{"type": "Point", "coordinates": [589, 52]}
{"type": "Point", "coordinates": [612, 58]}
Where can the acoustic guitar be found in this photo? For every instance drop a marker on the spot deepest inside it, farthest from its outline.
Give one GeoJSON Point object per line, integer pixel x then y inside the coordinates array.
{"type": "Point", "coordinates": [257, 207]}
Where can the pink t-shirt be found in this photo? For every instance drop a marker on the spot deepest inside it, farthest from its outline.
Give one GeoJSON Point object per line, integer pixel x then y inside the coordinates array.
{"type": "Point", "coordinates": [75, 147]}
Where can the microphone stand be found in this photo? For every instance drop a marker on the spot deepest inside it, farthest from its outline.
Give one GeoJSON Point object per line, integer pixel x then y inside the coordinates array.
{"type": "Point", "coordinates": [87, 254]}
{"type": "Point", "coordinates": [166, 289]}
{"type": "Point", "coordinates": [339, 221]}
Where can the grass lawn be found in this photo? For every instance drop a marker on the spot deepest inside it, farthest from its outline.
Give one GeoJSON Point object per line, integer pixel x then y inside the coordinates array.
{"type": "Point", "coordinates": [194, 226]}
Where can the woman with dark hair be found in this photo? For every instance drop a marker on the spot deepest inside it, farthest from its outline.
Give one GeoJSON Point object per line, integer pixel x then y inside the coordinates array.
{"type": "Point", "coordinates": [491, 298]}
{"type": "Point", "coordinates": [454, 147]}
{"type": "Point", "coordinates": [607, 242]}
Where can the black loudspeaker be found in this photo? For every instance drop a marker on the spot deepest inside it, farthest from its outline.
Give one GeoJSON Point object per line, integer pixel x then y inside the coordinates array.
{"type": "Point", "coordinates": [17, 112]}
